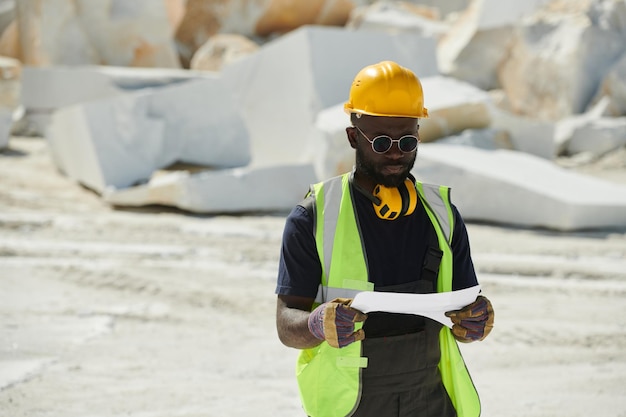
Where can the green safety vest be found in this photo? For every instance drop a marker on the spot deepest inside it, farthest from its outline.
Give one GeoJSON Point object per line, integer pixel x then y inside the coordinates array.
{"type": "Point", "coordinates": [329, 379]}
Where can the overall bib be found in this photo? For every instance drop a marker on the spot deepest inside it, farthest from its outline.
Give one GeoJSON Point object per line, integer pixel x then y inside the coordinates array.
{"type": "Point", "coordinates": [402, 377]}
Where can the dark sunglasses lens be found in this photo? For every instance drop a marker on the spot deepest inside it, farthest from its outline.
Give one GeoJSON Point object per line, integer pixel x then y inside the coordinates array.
{"type": "Point", "coordinates": [407, 143]}
{"type": "Point", "coordinates": [381, 144]}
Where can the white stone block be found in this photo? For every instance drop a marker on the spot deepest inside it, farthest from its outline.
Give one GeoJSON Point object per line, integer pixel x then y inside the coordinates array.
{"type": "Point", "coordinates": [334, 156]}
{"type": "Point", "coordinates": [487, 139]}
{"type": "Point", "coordinates": [10, 81]}
{"type": "Point", "coordinates": [446, 7]}
{"type": "Point", "coordinates": [453, 106]}
{"type": "Point", "coordinates": [7, 13]}
{"type": "Point", "coordinates": [110, 32]}
{"type": "Point", "coordinates": [509, 187]}
{"type": "Point", "coordinates": [598, 136]}
{"type": "Point", "coordinates": [120, 141]}
{"type": "Point", "coordinates": [533, 136]}
{"type": "Point", "coordinates": [106, 142]}
{"type": "Point", "coordinates": [6, 123]}
{"type": "Point", "coordinates": [277, 188]}
{"type": "Point", "coordinates": [281, 88]}
{"type": "Point", "coordinates": [613, 89]}
{"type": "Point", "coordinates": [49, 88]}
{"type": "Point", "coordinates": [479, 40]}
{"type": "Point", "coordinates": [497, 13]}
{"type": "Point", "coordinates": [395, 17]}
{"type": "Point", "coordinates": [556, 63]}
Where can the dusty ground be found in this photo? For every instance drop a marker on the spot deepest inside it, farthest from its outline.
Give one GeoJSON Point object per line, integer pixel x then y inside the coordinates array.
{"type": "Point", "coordinates": [159, 313]}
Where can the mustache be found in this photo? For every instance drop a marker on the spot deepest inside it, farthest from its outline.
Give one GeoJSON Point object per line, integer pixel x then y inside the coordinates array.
{"type": "Point", "coordinates": [374, 170]}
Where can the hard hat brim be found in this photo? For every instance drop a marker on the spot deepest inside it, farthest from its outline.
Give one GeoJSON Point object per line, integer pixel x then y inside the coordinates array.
{"type": "Point", "coordinates": [349, 109]}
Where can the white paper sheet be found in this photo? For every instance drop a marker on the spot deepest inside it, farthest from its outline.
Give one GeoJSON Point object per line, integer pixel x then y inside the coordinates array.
{"type": "Point", "coordinates": [433, 306]}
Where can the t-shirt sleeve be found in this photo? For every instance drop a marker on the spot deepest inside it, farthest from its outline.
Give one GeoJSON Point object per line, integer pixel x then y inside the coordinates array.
{"type": "Point", "coordinates": [299, 269]}
{"type": "Point", "coordinates": [464, 275]}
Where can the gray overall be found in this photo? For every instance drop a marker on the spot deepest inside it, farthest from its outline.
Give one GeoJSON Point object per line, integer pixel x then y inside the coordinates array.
{"type": "Point", "coordinates": [402, 378]}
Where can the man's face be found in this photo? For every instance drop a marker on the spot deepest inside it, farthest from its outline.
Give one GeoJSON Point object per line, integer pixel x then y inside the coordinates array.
{"type": "Point", "coordinates": [392, 167]}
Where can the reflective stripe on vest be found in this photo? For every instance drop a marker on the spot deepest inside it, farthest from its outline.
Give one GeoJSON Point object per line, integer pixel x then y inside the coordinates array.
{"type": "Point", "coordinates": [329, 378]}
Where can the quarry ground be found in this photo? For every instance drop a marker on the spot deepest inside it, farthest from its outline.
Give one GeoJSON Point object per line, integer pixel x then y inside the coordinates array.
{"type": "Point", "coordinates": [159, 313]}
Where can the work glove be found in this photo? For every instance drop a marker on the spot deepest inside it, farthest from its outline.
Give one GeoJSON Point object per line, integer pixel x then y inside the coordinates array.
{"type": "Point", "coordinates": [473, 322]}
{"type": "Point", "coordinates": [333, 321]}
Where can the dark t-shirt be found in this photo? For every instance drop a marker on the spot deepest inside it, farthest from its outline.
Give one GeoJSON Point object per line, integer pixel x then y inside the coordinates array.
{"type": "Point", "coordinates": [395, 250]}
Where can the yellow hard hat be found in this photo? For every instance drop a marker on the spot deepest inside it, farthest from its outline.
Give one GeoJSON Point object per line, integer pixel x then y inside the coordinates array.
{"type": "Point", "coordinates": [386, 89]}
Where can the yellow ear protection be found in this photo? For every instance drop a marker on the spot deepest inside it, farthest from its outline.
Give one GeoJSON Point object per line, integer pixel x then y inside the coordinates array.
{"type": "Point", "coordinates": [393, 202]}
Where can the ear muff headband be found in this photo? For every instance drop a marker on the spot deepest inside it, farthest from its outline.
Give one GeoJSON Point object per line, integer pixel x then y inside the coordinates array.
{"type": "Point", "coordinates": [404, 197]}
{"type": "Point", "coordinates": [409, 186]}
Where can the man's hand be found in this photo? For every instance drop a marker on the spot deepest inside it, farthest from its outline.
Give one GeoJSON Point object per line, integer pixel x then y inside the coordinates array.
{"type": "Point", "coordinates": [473, 322]}
{"type": "Point", "coordinates": [334, 322]}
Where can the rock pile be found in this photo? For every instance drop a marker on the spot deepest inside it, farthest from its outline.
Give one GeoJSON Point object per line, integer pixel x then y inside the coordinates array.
{"type": "Point", "coordinates": [251, 94]}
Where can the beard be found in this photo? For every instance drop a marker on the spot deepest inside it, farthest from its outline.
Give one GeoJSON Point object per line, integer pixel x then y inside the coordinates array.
{"type": "Point", "coordinates": [373, 170]}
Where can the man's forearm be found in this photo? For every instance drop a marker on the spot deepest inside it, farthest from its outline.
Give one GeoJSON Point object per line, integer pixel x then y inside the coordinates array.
{"type": "Point", "coordinates": [293, 329]}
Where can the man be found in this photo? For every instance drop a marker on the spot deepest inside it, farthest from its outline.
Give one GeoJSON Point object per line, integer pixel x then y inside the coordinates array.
{"type": "Point", "coordinates": [376, 228]}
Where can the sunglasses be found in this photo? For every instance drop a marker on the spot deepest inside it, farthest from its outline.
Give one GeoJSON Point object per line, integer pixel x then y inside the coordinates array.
{"type": "Point", "coordinates": [382, 143]}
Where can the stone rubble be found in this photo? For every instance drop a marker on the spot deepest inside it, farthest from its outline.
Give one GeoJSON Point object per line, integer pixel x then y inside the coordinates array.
{"type": "Point", "coordinates": [120, 141]}
{"type": "Point", "coordinates": [510, 88]}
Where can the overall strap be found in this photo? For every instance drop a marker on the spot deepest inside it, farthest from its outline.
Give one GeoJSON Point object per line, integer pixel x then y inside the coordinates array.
{"type": "Point", "coordinates": [432, 260]}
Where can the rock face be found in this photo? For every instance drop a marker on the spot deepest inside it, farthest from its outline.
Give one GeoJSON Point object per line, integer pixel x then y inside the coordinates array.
{"type": "Point", "coordinates": [261, 18]}
{"type": "Point", "coordinates": [479, 40]}
{"type": "Point", "coordinates": [104, 32]}
{"type": "Point", "coordinates": [559, 57]}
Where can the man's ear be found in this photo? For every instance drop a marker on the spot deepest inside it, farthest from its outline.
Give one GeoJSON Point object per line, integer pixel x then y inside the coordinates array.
{"type": "Point", "coordinates": [351, 132]}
